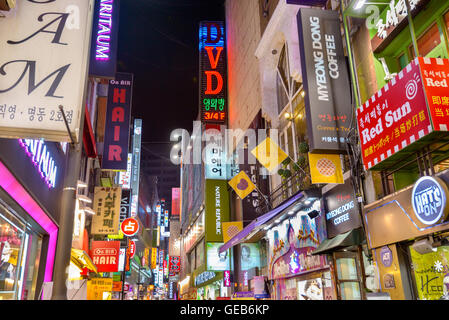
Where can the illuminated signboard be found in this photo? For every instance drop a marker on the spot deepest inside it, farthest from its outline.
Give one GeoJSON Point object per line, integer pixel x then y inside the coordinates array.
{"type": "Point", "coordinates": [103, 55]}
{"type": "Point", "coordinates": [118, 114]}
{"type": "Point", "coordinates": [125, 176]}
{"type": "Point", "coordinates": [213, 81]}
{"type": "Point", "coordinates": [135, 167]}
{"type": "Point", "coordinates": [41, 158]}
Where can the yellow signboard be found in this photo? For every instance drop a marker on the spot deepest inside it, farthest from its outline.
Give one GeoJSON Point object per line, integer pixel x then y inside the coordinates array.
{"type": "Point", "coordinates": [99, 289]}
{"type": "Point", "coordinates": [153, 258]}
{"type": "Point", "coordinates": [269, 154]}
{"type": "Point", "coordinates": [230, 229]}
{"type": "Point", "coordinates": [325, 168]}
{"type": "Point", "coordinates": [242, 184]}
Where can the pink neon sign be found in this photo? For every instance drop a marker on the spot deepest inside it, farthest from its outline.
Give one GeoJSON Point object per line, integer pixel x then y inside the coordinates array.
{"type": "Point", "coordinates": [104, 30]}
{"type": "Point", "coordinates": [42, 160]}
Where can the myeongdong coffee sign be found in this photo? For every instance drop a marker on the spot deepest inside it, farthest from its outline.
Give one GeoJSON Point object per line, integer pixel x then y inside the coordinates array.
{"type": "Point", "coordinates": [325, 78]}
{"type": "Point", "coordinates": [341, 209]}
{"type": "Point", "coordinates": [412, 105]}
{"type": "Point", "coordinates": [213, 79]}
{"type": "Point", "coordinates": [43, 64]}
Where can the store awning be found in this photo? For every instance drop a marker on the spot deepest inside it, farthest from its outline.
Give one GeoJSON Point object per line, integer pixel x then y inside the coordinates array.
{"type": "Point", "coordinates": [82, 260]}
{"type": "Point", "coordinates": [351, 238]}
{"type": "Point", "coordinates": [240, 237]}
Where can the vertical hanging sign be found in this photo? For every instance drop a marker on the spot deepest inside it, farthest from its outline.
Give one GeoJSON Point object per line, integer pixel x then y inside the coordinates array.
{"type": "Point", "coordinates": [107, 211]}
{"type": "Point", "coordinates": [118, 113]}
{"type": "Point", "coordinates": [103, 51]}
{"type": "Point", "coordinates": [326, 80]}
{"type": "Point", "coordinates": [213, 78]}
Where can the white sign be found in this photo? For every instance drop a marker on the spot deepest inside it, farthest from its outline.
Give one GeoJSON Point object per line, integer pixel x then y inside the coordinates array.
{"type": "Point", "coordinates": [125, 176]}
{"type": "Point", "coordinates": [393, 16]}
{"type": "Point", "coordinates": [43, 64]}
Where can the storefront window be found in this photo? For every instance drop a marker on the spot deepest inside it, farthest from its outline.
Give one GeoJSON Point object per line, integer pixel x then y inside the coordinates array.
{"type": "Point", "coordinates": [348, 275]}
{"type": "Point", "coordinates": [429, 41]}
{"type": "Point", "coordinates": [200, 253]}
{"type": "Point", "coordinates": [431, 273]}
{"type": "Point", "coordinates": [19, 258]}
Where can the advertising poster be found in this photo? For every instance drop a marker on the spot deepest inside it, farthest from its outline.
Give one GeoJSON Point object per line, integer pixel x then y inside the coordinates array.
{"type": "Point", "coordinates": [99, 289]}
{"type": "Point", "coordinates": [107, 210]}
{"type": "Point", "coordinates": [250, 256]}
{"type": "Point", "coordinates": [217, 261]}
{"type": "Point", "coordinates": [42, 69]}
{"type": "Point", "coordinates": [311, 289]}
{"type": "Point", "coordinates": [431, 272]}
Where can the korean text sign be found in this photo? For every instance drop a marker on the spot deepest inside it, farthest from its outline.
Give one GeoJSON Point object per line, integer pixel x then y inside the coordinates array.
{"type": "Point", "coordinates": [118, 114]}
{"type": "Point", "coordinates": [43, 64]}
{"type": "Point", "coordinates": [107, 210]}
{"type": "Point", "coordinates": [105, 255]}
{"type": "Point", "coordinates": [395, 117]}
{"type": "Point", "coordinates": [212, 72]}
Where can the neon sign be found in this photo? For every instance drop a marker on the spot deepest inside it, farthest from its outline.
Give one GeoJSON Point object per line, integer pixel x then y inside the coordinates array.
{"type": "Point", "coordinates": [212, 72]}
{"type": "Point", "coordinates": [103, 38]}
{"type": "Point", "coordinates": [42, 160]}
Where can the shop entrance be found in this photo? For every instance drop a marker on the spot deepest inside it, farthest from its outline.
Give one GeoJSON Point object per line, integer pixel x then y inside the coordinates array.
{"type": "Point", "coordinates": [429, 269]}
{"type": "Point", "coordinates": [20, 253]}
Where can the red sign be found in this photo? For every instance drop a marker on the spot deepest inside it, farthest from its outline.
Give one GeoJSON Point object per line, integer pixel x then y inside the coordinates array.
{"type": "Point", "coordinates": [175, 201]}
{"type": "Point", "coordinates": [435, 74]}
{"type": "Point", "coordinates": [393, 118]}
{"type": "Point", "coordinates": [174, 265]}
{"type": "Point", "coordinates": [212, 72]}
{"type": "Point", "coordinates": [130, 226]}
{"type": "Point", "coordinates": [105, 255]}
{"type": "Point", "coordinates": [131, 249]}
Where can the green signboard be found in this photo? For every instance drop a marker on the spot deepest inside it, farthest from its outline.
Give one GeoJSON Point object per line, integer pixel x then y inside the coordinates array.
{"type": "Point", "coordinates": [216, 209]}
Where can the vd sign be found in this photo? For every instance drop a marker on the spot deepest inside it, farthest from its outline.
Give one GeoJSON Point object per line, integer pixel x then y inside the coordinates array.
{"type": "Point", "coordinates": [43, 64]}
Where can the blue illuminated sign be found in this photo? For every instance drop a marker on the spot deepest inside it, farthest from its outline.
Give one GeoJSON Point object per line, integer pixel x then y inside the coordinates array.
{"type": "Point", "coordinates": [429, 200]}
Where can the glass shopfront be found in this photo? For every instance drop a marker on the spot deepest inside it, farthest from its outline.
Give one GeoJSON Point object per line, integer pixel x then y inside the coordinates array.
{"type": "Point", "coordinates": [430, 272]}
{"type": "Point", "coordinates": [20, 249]}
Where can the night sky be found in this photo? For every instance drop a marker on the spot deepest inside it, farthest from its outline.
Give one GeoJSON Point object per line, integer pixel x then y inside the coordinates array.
{"type": "Point", "coordinates": [158, 43]}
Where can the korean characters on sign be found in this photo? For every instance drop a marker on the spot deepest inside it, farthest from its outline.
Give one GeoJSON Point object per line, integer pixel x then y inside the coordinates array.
{"type": "Point", "coordinates": [43, 64]}
{"type": "Point", "coordinates": [393, 118]}
{"type": "Point", "coordinates": [212, 72]}
{"type": "Point", "coordinates": [107, 210]}
{"type": "Point", "coordinates": [435, 73]}
{"type": "Point", "coordinates": [130, 227]}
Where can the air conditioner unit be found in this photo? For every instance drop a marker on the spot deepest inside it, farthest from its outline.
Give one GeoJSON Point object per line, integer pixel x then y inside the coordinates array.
{"type": "Point", "coordinates": [6, 5]}
{"type": "Point", "coordinates": [424, 246]}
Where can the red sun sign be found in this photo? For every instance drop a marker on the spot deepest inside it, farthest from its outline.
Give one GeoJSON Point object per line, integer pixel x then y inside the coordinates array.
{"type": "Point", "coordinates": [130, 226]}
